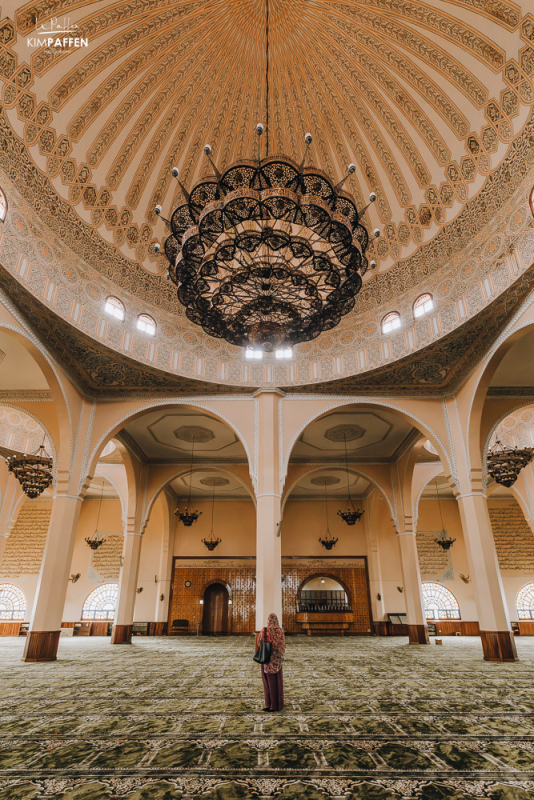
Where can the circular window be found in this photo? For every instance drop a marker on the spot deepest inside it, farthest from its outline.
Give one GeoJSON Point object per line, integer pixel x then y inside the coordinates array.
{"type": "Point", "coordinates": [187, 584]}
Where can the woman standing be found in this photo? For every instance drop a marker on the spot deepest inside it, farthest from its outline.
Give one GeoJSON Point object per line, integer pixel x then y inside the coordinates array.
{"type": "Point", "coordinates": [271, 673]}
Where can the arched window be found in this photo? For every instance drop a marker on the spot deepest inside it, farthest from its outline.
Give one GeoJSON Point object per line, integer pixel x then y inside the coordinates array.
{"type": "Point", "coordinates": [12, 602]}
{"type": "Point", "coordinates": [102, 602]}
{"type": "Point", "coordinates": [3, 206]}
{"type": "Point", "coordinates": [423, 305]}
{"type": "Point", "coordinates": [114, 307]}
{"type": "Point", "coordinates": [440, 603]}
{"type": "Point", "coordinates": [525, 602]}
{"type": "Point", "coordinates": [147, 324]}
{"type": "Point", "coordinates": [391, 321]}
{"type": "Point", "coordinates": [531, 201]}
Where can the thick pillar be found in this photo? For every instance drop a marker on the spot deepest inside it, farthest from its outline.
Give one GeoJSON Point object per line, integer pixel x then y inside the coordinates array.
{"type": "Point", "coordinates": [45, 626]}
{"type": "Point", "coordinates": [123, 625]}
{"type": "Point", "coordinates": [411, 576]}
{"type": "Point", "coordinates": [163, 589]}
{"type": "Point", "coordinates": [497, 638]}
{"type": "Point", "coordinates": [268, 511]}
{"type": "Point", "coordinates": [10, 505]}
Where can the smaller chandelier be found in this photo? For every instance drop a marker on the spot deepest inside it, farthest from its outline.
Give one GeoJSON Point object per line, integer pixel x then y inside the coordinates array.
{"type": "Point", "coordinates": [505, 463]}
{"type": "Point", "coordinates": [94, 541]}
{"type": "Point", "coordinates": [351, 515]}
{"type": "Point", "coordinates": [445, 541]}
{"type": "Point", "coordinates": [212, 542]}
{"type": "Point", "coordinates": [328, 541]}
{"type": "Point", "coordinates": [33, 472]}
{"type": "Point", "coordinates": [189, 517]}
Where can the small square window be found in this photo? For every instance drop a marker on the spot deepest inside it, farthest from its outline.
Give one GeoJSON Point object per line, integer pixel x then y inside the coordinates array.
{"type": "Point", "coordinates": [253, 353]}
{"type": "Point", "coordinates": [284, 352]}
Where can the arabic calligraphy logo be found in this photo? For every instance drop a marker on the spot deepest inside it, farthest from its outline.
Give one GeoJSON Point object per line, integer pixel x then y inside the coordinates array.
{"type": "Point", "coordinates": [57, 33]}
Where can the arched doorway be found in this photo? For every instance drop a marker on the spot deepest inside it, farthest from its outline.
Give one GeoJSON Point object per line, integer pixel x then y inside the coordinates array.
{"type": "Point", "coordinates": [215, 616]}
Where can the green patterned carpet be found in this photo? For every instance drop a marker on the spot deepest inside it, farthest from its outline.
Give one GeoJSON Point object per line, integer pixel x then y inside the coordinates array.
{"type": "Point", "coordinates": [169, 718]}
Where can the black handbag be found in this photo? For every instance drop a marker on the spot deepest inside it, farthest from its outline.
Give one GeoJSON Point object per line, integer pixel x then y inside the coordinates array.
{"type": "Point", "coordinates": [263, 653]}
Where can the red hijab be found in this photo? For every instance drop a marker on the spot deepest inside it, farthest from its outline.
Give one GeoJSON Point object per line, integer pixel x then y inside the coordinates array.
{"type": "Point", "coordinates": [276, 634]}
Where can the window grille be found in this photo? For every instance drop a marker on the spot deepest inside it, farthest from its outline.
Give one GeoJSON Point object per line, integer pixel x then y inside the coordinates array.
{"type": "Point", "coordinates": [102, 602]}
{"type": "Point", "coordinates": [12, 602]}
{"type": "Point", "coordinates": [440, 603]}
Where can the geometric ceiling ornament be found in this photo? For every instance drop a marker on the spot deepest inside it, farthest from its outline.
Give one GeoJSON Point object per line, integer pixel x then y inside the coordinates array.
{"type": "Point", "coordinates": [344, 433]}
{"type": "Point", "coordinates": [194, 433]}
{"type": "Point", "coordinates": [325, 480]}
{"type": "Point", "coordinates": [214, 481]}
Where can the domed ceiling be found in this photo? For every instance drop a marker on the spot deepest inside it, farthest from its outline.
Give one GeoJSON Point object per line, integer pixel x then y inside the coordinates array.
{"type": "Point", "coordinates": [430, 101]}
{"type": "Point", "coordinates": [422, 97]}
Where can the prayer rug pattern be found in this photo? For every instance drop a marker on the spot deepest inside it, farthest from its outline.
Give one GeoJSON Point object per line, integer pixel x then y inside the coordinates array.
{"type": "Point", "coordinates": [171, 718]}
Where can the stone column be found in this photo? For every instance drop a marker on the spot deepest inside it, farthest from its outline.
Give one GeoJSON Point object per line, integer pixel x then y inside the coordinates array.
{"type": "Point", "coordinates": [11, 503]}
{"type": "Point", "coordinates": [165, 564]}
{"type": "Point", "coordinates": [124, 614]}
{"type": "Point", "coordinates": [497, 638]}
{"type": "Point", "coordinates": [268, 510]}
{"type": "Point", "coordinates": [45, 626]}
{"type": "Point", "coordinates": [376, 589]}
{"type": "Point", "coordinates": [411, 576]}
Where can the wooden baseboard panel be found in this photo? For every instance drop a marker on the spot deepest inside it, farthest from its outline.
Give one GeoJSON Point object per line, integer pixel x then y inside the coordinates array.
{"type": "Point", "coordinates": [41, 646]}
{"type": "Point", "coordinates": [121, 634]}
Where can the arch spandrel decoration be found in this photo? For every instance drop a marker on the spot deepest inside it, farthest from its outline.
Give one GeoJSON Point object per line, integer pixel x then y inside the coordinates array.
{"type": "Point", "coordinates": [12, 602]}
{"type": "Point", "coordinates": [101, 604]}
{"type": "Point", "coordinates": [440, 603]}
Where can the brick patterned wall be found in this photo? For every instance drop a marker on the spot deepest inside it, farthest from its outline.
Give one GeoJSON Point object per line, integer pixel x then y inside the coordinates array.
{"type": "Point", "coordinates": [239, 575]}
{"type": "Point", "coordinates": [25, 545]}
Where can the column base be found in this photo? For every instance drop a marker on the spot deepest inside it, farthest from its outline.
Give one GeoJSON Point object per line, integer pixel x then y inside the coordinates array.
{"type": "Point", "coordinates": [498, 646]}
{"type": "Point", "coordinates": [121, 634]}
{"type": "Point", "coordinates": [41, 646]}
{"type": "Point", "coordinates": [418, 634]}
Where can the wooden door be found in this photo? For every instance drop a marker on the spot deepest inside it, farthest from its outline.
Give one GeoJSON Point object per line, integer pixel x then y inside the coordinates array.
{"type": "Point", "coordinates": [215, 616]}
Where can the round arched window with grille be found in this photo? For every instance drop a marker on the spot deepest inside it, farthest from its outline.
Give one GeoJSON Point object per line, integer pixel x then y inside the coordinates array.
{"type": "Point", "coordinates": [440, 603]}
{"type": "Point", "coordinates": [115, 308]}
{"type": "Point", "coordinates": [12, 602]}
{"type": "Point", "coordinates": [102, 602]}
{"type": "Point", "coordinates": [147, 324]}
{"type": "Point", "coordinates": [391, 322]}
{"type": "Point", "coordinates": [525, 602]}
{"type": "Point", "coordinates": [423, 305]}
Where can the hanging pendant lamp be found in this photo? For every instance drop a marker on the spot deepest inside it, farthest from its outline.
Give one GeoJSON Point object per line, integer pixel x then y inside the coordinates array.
{"type": "Point", "coordinates": [329, 541]}
{"type": "Point", "coordinates": [351, 515]}
{"type": "Point", "coordinates": [445, 541]}
{"type": "Point", "coordinates": [96, 540]}
{"type": "Point", "coordinates": [33, 471]}
{"type": "Point", "coordinates": [187, 516]}
{"type": "Point", "coordinates": [212, 542]}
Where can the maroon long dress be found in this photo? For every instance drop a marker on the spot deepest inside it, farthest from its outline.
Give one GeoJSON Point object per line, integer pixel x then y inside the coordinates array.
{"type": "Point", "coordinates": [271, 673]}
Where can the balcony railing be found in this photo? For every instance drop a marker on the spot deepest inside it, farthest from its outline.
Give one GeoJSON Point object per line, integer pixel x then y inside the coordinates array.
{"type": "Point", "coordinates": [323, 602]}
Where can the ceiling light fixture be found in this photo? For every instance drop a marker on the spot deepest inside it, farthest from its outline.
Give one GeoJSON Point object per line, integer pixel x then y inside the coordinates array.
{"type": "Point", "coordinates": [329, 541]}
{"type": "Point", "coordinates": [212, 543]}
{"type": "Point", "coordinates": [269, 252]}
{"type": "Point", "coordinates": [33, 471]}
{"type": "Point", "coordinates": [505, 463]}
{"type": "Point", "coordinates": [187, 516]}
{"type": "Point", "coordinates": [351, 515]}
{"type": "Point", "coordinates": [96, 540]}
{"type": "Point", "coordinates": [444, 540]}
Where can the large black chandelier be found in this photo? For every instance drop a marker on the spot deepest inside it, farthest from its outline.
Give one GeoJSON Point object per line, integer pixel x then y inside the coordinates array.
{"type": "Point", "coordinates": [505, 463]}
{"type": "Point", "coordinates": [33, 471]}
{"type": "Point", "coordinates": [269, 253]}
{"type": "Point", "coordinates": [351, 515]}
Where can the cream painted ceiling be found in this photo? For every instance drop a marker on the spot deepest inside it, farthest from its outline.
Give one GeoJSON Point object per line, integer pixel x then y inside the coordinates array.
{"type": "Point", "coordinates": [370, 435]}
{"type": "Point", "coordinates": [517, 367]}
{"type": "Point", "coordinates": [166, 435]}
{"type": "Point", "coordinates": [424, 98]}
{"type": "Point", "coordinates": [18, 370]}
{"type": "Point", "coordinates": [205, 482]}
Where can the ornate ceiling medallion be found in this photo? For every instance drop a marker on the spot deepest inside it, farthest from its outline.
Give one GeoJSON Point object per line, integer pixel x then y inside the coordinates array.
{"type": "Point", "coordinates": [33, 472]}
{"type": "Point", "coordinates": [269, 253]}
{"type": "Point", "coordinates": [505, 463]}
